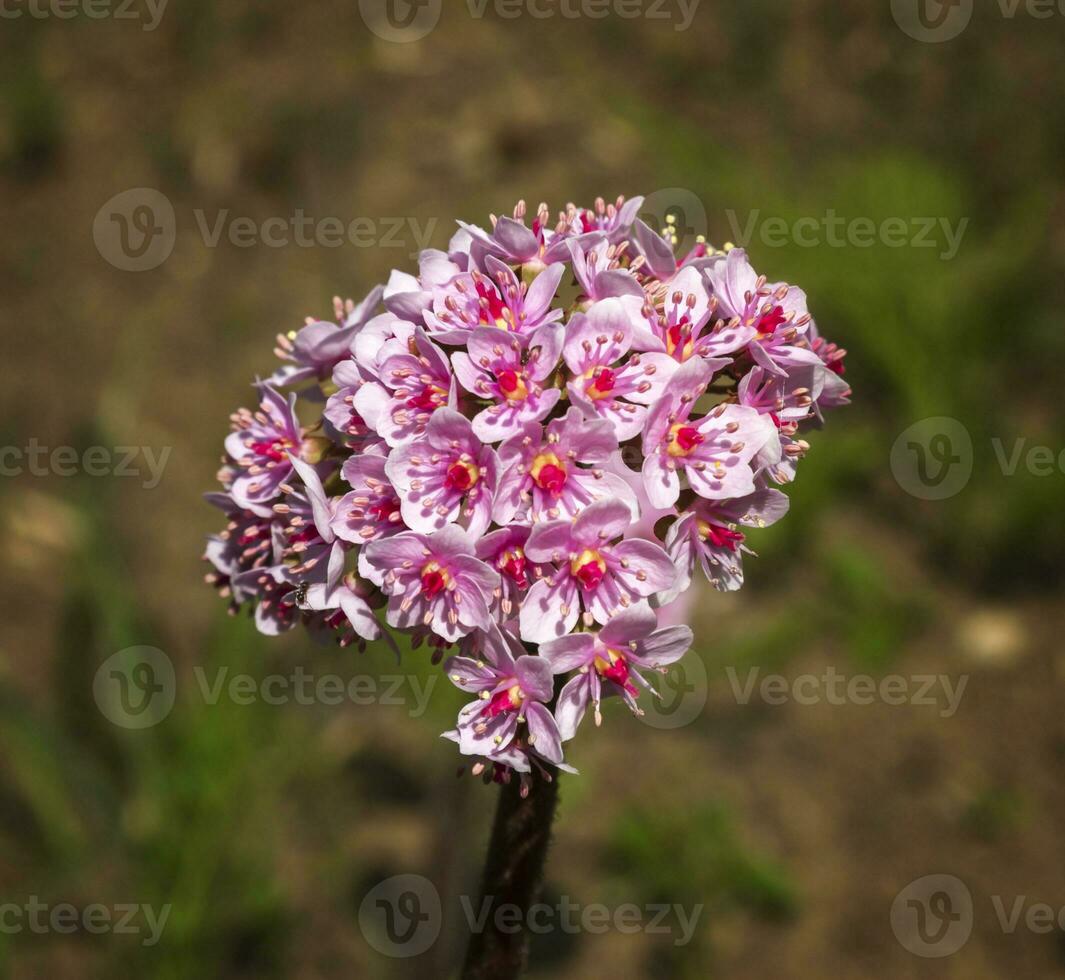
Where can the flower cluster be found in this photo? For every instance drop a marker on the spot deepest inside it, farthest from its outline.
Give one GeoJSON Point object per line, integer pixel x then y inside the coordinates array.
{"type": "Point", "coordinates": [519, 456]}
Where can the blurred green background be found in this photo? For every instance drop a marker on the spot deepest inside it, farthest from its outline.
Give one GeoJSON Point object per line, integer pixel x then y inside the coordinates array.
{"type": "Point", "coordinates": [794, 825]}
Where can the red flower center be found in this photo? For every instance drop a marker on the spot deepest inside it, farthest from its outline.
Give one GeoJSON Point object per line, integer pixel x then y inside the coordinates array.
{"type": "Point", "coordinates": [720, 537]}
{"type": "Point", "coordinates": [771, 320]}
{"type": "Point", "coordinates": [616, 670]}
{"type": "Point", "coordinates": [602, 384]}
{"type": "Point", "coordinates": [549, 473]}
{"type": "Point", "coordinates": [492, 308]}
{"type": "Point", "coordinates": [430, 397]}
{"type": "Point", "coordinates": [512, 385]}
{"type": "Point", "coordinates": [434, 579]}
{"type": "Point", "coordinates": [503, 701]}
{"type": "Point", "coordinates": [588, 568]}
{"type": "Point", "coordinates": [384, 510]}
{"type": "Point", "coordinates": [461, 475]}
{"type": "Point", "coordinates": [274, 450]}
{"type": "Point", "coordinates": [683, 439]}
{"type": "Point", "coordinates": [515, 565]}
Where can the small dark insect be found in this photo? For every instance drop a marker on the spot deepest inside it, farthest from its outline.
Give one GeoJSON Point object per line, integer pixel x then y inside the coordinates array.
{"type": "Point", "coordinates": [301, 592]}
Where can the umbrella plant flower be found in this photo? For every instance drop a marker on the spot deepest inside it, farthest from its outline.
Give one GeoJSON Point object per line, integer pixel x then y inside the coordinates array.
{"type": "Point", "coordinates": [519, 455]}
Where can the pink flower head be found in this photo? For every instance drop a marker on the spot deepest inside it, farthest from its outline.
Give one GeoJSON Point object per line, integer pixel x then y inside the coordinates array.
{"type": "Point", "coordinates": [511, 689]}
{"type": "Point", "coordinates": [611, 659]}
{"type": "Point", "coordinates": [494, 298]}
{"type": "Point", "coordinates": [710, 535]}
{"type": "Point", "coordinates": [503, 369]}
{"type": "Point", "coordinates": [260, 444]}
{"type": "Point", "coordinates": [714, 452]}
{"type": "Point", "coordinates": [432, 580]}
{"type": "Point", "coordinates": [590, 570]}
{"type": "Point", "coordinates": [605, 384]}
{"type": "Point", "coordinates": [413, 385]}
{"type": "Point", "coordinates": [776, 312]}
{"type": "Point", "coordinates": [447, 476]}
{"type": "Point", "coordinates": [555, 472]}
{"type": "Point", "coordinates": [549, 427]}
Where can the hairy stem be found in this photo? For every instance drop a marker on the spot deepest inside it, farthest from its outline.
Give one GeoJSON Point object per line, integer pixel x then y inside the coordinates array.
{"type": "Point", "coordinates": [513, 872]}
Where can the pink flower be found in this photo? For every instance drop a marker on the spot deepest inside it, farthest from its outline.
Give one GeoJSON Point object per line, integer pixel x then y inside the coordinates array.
{"type": "Point", "coordinates": [776, 312]}
{"type": "Point", "coordinates": [501, 368]}
{"type": "Point", "coordinates": [604, 384]}
{"type": "Point", "coordinates": [372, 509]}
{"type": "Point", "coordinates": [714, 452]}
{"type": "Point", "coordinates": [504, 550]}
{"type": "Point", "coordinates": [413, 385]}
{"type": "Point", "coordinates": [432, 580]}
{"type": "Point", "coordinates": [598, 270]}
{"type": "Point", "coordinates": [555, 472]}
{"type": "Point", "coordinates": [447, 476]}
{"type": "Point", "coordinates": [260, 444]}
{"type": "Point", "coordinates": [590, 571]}
{"type": "Point", "coordinates": [710, 535]}
{"type": "Point", "coordinates": [320, 344]}
{"type": "Point", "coordinates": [494, 298]}
{"type": "Point", "coordinates": [611, 659]}
{"type": "Point", "coordinates": [683, 321]}
{"type": "Point", "coordinates": [512, 689]}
